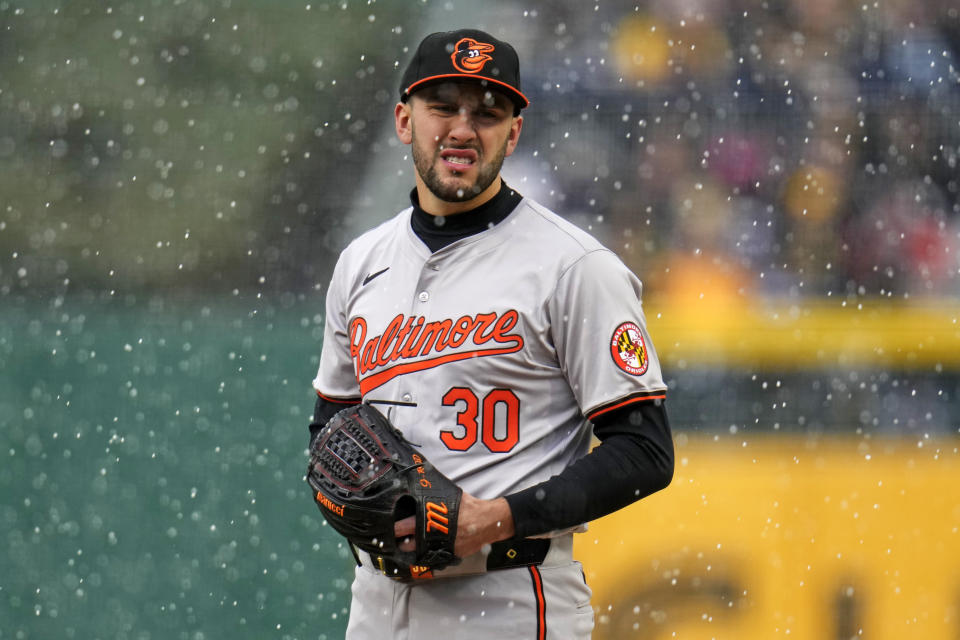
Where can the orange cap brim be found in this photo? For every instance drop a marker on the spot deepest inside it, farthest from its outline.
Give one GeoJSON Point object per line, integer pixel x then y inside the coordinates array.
{"type": "Point", "coordinates": [523, 101]}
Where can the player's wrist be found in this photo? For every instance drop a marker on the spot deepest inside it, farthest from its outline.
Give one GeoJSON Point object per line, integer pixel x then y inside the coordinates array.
{"type": "Point", "coordinates": [501, 520]}
{"type": "Point", "coordinates": [482, 522]}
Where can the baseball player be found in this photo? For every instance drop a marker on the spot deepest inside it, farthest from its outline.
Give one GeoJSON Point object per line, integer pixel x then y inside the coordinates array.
{"type": "Point", "coordinates": [497, 337]}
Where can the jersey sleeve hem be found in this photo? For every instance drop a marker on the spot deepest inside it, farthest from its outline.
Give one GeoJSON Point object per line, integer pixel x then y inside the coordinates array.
{"type": "Point", "coordinates": [339, 400]}
{"type": "Point", "coordinates": [642, 396]}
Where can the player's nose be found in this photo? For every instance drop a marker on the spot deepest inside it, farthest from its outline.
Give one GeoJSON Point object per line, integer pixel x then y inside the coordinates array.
{"type": "Point", "coordinates": [463, 126]}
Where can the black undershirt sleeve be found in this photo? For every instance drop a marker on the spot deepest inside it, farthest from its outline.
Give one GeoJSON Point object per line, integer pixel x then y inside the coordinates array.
{"type": "Point", "coordinates": [633, 460]}
{"type": "Point", "coordinates": [323, 410]}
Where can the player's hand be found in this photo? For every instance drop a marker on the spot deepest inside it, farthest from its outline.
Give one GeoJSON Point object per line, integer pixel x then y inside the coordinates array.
{"type": "Point", "coordinates": [480, 522]}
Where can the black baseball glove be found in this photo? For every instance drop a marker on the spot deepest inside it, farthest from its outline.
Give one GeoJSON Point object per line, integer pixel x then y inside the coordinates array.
{"type": "Point", "coordinates": [365, 476]}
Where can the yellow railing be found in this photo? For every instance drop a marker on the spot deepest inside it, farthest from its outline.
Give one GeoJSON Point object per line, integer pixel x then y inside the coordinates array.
{"type": "Point", "coordinates": [806, 334]}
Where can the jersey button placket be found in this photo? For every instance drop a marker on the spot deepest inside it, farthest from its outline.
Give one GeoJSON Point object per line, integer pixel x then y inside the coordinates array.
{"type": "Point", "coordinates": [427, 275]}
{"type": "Point", "coordinates": [420, 308]}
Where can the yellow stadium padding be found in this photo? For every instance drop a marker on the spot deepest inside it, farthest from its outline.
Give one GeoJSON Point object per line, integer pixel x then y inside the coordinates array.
{"type": "Point", "coordinates": [805, 334]}
{"type": "Point", "coordinates": [796, 538]}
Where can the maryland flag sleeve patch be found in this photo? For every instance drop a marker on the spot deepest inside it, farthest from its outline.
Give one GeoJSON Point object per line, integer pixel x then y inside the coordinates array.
{"type": "Point", "coordinates": [628, 349]}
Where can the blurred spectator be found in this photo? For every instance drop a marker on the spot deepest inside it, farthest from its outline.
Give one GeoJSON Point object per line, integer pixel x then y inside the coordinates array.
{"type": "Point", "coordinates": [641, 48]}
{"type": "Point", "coordinates": [905, 243]}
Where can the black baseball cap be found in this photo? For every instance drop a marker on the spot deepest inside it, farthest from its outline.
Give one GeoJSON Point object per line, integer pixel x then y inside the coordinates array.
{"type": "Point", "coordinates": [468, 54]}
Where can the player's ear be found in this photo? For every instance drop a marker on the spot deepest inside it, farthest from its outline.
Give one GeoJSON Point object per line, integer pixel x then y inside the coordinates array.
{"type": "Point", "coordinates": [514, 135]}
{"type": "Point", "coordinates": [402, 115]}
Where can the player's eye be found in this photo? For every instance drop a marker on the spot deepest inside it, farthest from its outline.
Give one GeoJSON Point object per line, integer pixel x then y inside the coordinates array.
{"type": "Point", "coordinates": [490, 115]}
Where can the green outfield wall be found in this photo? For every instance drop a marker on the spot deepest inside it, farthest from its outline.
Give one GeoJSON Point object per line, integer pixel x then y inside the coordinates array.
{"type": "Point", "coordinates": [151, 469]}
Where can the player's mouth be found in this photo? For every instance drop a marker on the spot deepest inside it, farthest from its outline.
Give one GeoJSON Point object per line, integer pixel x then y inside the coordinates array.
{"type": "Point", "coordinates": [458, 159]}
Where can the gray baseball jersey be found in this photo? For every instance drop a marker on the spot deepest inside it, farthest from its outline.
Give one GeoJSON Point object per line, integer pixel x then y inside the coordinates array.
{"type": "Point", "coordinates": [491, 353]}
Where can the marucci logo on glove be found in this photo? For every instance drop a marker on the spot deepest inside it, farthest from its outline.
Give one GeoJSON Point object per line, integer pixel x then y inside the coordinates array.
{"type": "Point", "coordinates": [329, 504]}
{"type": "Point", "coordinates": [413, 338]}
{"type": "Point", "coordinates": [437, 519]}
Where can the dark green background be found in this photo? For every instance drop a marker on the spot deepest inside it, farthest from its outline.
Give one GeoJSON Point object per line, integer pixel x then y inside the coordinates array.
{"type": "Point", "coordinates": [151, 473]}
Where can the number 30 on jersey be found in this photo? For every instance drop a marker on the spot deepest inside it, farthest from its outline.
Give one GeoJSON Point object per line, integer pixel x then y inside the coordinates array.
{"type": "Point", "coordinates": [477, 420]}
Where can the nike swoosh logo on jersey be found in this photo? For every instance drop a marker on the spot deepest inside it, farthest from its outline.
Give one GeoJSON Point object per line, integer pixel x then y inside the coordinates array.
{"type": "Point", "coordinates": [371, 276]}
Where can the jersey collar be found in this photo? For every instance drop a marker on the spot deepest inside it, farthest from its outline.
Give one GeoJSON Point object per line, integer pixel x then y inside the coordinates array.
{"type": "Point", "coordinates": [439, 231]}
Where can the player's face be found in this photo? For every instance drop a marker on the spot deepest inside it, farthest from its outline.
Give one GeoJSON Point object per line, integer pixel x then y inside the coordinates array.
{"type": "Point", "coordinates": [459, 135]}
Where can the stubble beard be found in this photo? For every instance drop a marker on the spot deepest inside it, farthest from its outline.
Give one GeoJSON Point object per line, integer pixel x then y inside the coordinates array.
{"type": "Point", "coordinates": [426, 165]}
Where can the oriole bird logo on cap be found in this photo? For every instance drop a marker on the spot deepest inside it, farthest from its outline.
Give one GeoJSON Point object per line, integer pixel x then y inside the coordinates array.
{"type": "Point", "coordinates": [470, 55]}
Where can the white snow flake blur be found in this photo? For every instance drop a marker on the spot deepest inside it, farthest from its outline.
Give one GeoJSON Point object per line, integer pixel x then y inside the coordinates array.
{"type": "Point", "coordinates": [179, 177]}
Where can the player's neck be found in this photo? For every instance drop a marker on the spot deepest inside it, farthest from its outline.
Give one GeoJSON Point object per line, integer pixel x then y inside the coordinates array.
{"type": "Point", "coordinates": [437, 207]}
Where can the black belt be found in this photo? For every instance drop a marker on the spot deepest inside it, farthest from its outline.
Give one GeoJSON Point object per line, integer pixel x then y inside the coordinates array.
{"type": "Point", "coordinates": [521, 552]}
{"type": "Point", "coordinates": [517, 553]}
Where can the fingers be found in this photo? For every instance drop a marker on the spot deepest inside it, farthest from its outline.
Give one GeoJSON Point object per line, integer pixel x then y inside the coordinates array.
{"type": "Point", "coordinates": [405, 527]}
{"type": "Point", "coordinates": [404, 530]}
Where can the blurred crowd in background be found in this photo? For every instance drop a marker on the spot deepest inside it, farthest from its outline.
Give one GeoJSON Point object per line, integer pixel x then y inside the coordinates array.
{"type": "Point", "coordinates": [772, 148]}
{"type": "Point", "coordinates": [738, 148]}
